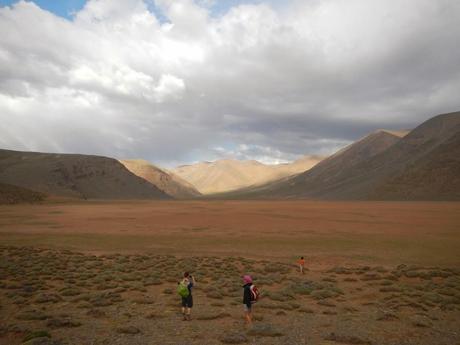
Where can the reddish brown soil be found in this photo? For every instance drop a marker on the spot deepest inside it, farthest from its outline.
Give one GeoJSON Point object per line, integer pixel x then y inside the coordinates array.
{"type": "Point", "coordinates": [379, 273]}
{"type": "Point", "coordinates": [379, 232]}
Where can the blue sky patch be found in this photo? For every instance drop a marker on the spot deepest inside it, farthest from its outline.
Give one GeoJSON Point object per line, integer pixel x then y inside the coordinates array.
{"type": "Point", "coordinates": [66, 8]}
{"type": "Point", "coordinates": [62, 8]}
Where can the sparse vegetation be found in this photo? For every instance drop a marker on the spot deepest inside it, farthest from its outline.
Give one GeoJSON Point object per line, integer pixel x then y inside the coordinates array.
{"type": "Point", "coordinates": [36, 334]}
{"type": "Point", "coordinates": [130, 296]}
{"type": "Point", "coordinates": [265, 330]}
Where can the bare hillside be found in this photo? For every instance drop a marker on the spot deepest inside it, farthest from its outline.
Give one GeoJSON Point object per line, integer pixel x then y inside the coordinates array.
{"type": "Point", "coordinates": [10, 194]}
{"type": "Point", "coordinates": [229, 174]}
{"type": "Point", "coordinates": [428, 167]}
{"type": "Point", "coordinates": [72, 175]}
{"type": "Point", "coordinates": [168, 182]}
{"type": "Point", "coordinates": [326, 173]}
{"type": "Point", "coordinates": [422, 165]}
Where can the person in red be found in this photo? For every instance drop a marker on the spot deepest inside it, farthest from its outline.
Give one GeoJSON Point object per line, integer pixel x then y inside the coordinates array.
{"type": "Point", "coordinates": [301, 263]}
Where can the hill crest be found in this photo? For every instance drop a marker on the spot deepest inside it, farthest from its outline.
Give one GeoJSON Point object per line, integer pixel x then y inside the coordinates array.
{"type": "Point", "coordinates": [74, 175]}
{"type": "Point", "coordinates": [231, 174]}
{"type": "Point", "coordinates": [165, 180]}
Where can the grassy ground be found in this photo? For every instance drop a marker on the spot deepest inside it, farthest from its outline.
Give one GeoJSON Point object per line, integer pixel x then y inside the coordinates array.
{"type": "Point", "coordinates": [74, 298]}
{"type": "Point", "coordinates": [106, 273]}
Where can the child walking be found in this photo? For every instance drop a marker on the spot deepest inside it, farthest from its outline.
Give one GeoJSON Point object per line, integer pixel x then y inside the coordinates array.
{"type": "Point", "coordinates": [301, 263]}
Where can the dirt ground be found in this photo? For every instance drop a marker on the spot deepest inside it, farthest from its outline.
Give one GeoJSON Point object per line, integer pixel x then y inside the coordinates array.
{"type": "Point", "coordinates": [106, 272]}
{"type": "Point", "coordinates": [325, 232]}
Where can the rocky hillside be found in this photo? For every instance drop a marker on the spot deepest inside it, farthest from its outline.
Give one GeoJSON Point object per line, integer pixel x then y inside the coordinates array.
{"type": "Point", "coordinates": [166, 181]}
{"type": "Point", "coordinates": [422, 165]}
{"type": "Point", "coordinates": [10, 194]}
{"type": "Point", "coordinates": [72, 175]}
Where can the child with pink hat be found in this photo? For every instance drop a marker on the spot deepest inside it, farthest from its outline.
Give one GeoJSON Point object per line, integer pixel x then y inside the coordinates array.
{"type": "Point", "coordinates": [250, 296]}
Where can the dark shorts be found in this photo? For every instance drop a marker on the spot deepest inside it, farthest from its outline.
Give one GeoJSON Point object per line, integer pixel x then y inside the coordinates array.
{"type": "Point", "coordinates": [187, 302]}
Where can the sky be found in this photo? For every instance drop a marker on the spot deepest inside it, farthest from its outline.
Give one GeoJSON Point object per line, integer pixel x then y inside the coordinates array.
{"type": "Point", "coordinates": [182, 81]}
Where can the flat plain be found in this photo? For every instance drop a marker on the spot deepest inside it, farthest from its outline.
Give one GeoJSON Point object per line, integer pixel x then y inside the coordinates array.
{"type": "Point", "coordinates": [99, 272]}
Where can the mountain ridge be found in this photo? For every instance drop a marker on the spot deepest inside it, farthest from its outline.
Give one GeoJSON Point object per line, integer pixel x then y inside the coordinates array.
{"type": "Point", "coordinates": [232, 174]}
{"type": "Point", "coordinates": [74, 175]}
{"type": "Point", "coordinates": [163, 179]}
{"type": "Point", "coordinates": [368, 168]}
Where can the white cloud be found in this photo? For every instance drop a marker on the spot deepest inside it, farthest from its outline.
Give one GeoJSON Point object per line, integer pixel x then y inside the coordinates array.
{"type": "Point", "coordinates": [271, 84]}
{"type": "Point", "coordinates": [169, 87]}
{"type": "Point", "coordinates": [263, 154]}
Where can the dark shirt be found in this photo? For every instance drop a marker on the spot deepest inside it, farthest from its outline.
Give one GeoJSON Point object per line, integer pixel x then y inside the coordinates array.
{"type": "Point", "coordinates": [247, 294]}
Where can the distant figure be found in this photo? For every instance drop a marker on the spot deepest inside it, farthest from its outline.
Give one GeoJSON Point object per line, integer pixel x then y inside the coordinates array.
{"type": "Point", "coordinates": [301, 263]}
{"type": "Point", "coordinates": [250, 296]}
{"type": "Point", "coordinates": [184, 289]}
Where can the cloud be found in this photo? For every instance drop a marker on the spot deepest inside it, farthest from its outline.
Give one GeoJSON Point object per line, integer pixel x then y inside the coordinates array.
{"type": "Point", "coordinates": [263, 82]}
{"type": "Point", "coordinates": [263, 154]}
{"type": "Point", "coordinates": [169, 86]}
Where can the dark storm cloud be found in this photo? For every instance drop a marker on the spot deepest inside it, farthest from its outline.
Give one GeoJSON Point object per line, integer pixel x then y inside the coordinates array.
{"type": "Point", "coordinates": [255, 82]}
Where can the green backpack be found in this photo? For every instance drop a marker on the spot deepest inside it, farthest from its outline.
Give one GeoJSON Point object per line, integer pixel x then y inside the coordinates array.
{"type": "Point", "coordinates": [182, 290]}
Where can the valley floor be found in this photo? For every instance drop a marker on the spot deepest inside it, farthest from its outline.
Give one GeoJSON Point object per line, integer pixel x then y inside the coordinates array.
{"type": "Point", "coordinates": [379, 273]}
{"type": "Point", "coordinates": [325, 232]}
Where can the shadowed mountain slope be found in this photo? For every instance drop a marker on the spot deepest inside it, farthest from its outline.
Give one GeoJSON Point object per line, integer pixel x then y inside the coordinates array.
{"type": "Point", "coordinates": [10, 194]}
{"type": "Point", "coordinates": [423, 165]}
{"type": "Point", "coordinates": [166, 181]}
{"type": "Point", "coordinates": [326, 172]}
{"type": "Point", "coordinates": [73, 175]}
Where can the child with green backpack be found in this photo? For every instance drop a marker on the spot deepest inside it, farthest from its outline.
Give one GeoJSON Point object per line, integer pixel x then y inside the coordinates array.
{"type": "Point", "coordinates": [184, 289]}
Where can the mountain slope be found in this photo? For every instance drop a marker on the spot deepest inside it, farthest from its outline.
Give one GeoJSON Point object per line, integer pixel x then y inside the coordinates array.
{"type": "Point", "coordinates": [326, 174]}
{"type": "Point", "coordinates": [423, 165]}
{"type": "Point", "coordinates": [426, 164]}
{"type": "Point", "coordinates": [10, 194]}
{"type": "Point", "coordinates": [435, 176]}
{"type": "Point", "coordinates": [426, 144]}
{"type": "Point", "coordinates": [72, 175]}
{"type": "Point", "coordinates": [229, 174]}
{"type": "Point", "coordinates": [166, 181]}
{"type": "Point", "coordinates": [288, 169]}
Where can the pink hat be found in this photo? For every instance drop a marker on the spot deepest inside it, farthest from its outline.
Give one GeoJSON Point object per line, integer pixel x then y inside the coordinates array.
{"type": "Point", "coordinates": [247, 279]}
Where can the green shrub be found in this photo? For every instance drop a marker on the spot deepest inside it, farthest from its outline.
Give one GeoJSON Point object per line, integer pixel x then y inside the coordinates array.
{"type": "Point", "coordinates": [36, 334]}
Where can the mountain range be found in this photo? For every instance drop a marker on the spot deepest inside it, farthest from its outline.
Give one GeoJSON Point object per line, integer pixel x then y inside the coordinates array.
{"type": "Point", "coordinates": [421, 164]}
{"type": "Point", "coordinates": [230, 174]}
